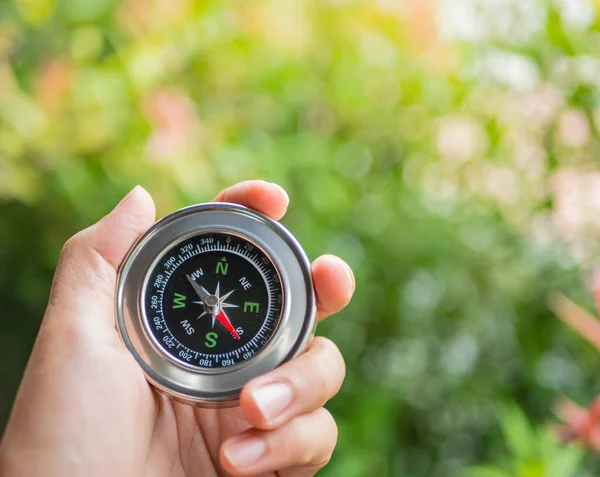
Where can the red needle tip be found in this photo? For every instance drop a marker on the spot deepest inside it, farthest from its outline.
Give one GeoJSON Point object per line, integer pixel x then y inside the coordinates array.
{"type": "Point", "coordinates": [222, 317]}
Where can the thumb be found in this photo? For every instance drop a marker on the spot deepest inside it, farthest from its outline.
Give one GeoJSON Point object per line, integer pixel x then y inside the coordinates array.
{"type": "Point", "coordinates": [84, 284]}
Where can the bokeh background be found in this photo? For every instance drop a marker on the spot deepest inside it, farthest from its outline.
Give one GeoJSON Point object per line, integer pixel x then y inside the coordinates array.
{"type": "Point", "coordinates": [448, 150]}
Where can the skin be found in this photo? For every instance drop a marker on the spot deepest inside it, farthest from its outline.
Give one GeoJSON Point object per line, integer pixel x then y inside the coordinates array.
{"type": "Point", "coordinates": [85, 408]}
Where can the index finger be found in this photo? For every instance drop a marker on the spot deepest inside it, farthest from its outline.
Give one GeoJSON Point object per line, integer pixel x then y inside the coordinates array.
{"type": "Point", "coordinates": [265, 197]}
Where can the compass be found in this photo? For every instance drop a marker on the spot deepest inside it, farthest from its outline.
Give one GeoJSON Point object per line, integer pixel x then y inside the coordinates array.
{"type": "Point", "coordinates": [212, 296]}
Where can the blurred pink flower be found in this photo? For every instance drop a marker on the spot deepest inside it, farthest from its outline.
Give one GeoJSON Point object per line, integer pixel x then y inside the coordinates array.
{"type": "Point", "coordinates": [573, 128]}
{"type": "Point", "coordinates": [530, 157]}
{"type": "Point", "coordinates": [52, 83]}
{"type": "Point", "coordinates": [460, 139]}
{"type": "Point", "coordinates": [421, 20]}
{"type": "Point", "coordinates": [578, 423]}
{"type": "Point", "coordinates": [501, 183]}
{"type": "Point", "coordinates": [535, 109]}
{"type": "Point", "coordinates": [174, 121]}
{"type": "Point", "coordinates": [576, 199]}
{"type": "Point", "coordinates": [139, 16]}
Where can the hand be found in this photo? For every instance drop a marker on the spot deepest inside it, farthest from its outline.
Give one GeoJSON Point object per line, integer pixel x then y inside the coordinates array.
{"type": "Point", "coordinates": [85, 408]}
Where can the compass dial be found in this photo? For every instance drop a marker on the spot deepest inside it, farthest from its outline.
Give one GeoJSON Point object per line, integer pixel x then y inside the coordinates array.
{"type": "Point", "coordinates": [213, 300]}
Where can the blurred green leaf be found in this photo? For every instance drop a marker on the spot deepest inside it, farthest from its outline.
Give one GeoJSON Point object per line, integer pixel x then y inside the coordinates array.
{"type": "Point", "coordinates": [565, 462]}
{"type": "Point", "coordinates": [519, 435]}
{"type": "Point", "coordinates": [35, 12]}
{"type": "Point", "coordinates": [486, 472]}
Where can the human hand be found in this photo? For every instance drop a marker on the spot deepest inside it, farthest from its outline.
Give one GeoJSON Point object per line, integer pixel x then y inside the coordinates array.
{"type": "Point", "coordinates": [85, 408]}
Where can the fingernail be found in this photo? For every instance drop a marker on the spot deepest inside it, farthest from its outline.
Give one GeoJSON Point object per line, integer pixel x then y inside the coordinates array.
{"type": "Point", "coordinates": [272, 399]}
{"type": "Point", "coordinates": [351, 278]}
{"type": "Point", "coordinates": [127, 197]}
{"type": "Point", "coordinates": [245, 452]}
{"type": "Point", "coordinates": [287, 197]}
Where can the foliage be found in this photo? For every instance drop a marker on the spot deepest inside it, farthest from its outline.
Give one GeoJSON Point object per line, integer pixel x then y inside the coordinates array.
{"type": "Point", "coordinates": [454, 169]}
{"type": "Point", "coordinates": [534, 453]}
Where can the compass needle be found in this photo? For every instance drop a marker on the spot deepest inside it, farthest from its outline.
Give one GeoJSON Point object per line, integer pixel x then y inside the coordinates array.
{"type": "Point", "coordinates": [197, 288]}
{"type": "Point", "coordinates": [212, 260]}
{"type": "Point", "coordinates": [226, 322]}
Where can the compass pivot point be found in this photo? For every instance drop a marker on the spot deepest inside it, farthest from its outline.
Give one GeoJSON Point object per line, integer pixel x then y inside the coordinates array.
{"type": "Point", "coordinates": [211, 304]}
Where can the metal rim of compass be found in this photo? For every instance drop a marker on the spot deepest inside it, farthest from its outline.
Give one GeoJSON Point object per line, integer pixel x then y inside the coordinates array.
{"type": "Point", "coordinates": [215, 387]}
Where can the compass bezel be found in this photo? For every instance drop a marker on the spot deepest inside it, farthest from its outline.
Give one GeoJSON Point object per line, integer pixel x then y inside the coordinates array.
{"type": "Point", "coordinates": [217, 386]}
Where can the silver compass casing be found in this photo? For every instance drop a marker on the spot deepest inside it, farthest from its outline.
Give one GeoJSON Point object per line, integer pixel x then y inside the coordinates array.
{"type": "Point", "coordinates": [219, 387]}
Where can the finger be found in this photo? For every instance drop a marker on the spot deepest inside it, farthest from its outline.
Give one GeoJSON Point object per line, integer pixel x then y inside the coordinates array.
{"type": "Point", "coordinates": [334, 284]}
{"type": "Point", "coordinates": [307, 441]}
{"type": "Point", "coordinates": [89, 261]}
{"type": "Point", "coordinates": [264, 197]}
{"type": "Point", "coordinates": [299, 386]}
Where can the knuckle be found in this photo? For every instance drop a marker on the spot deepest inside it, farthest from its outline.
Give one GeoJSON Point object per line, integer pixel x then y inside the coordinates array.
{"type": "Point", "coordinates": [323, 461]}
{"type": "Point", "coordinates": [317, 452]}
{"type": "Point", "coordinates": [76, 251]}
{"type": "Point", "coordinates": [74, 244]}
{"type": "Point", "coordinates": [325, 308]}
{"type": "Point", "coordinates": [330, 431]}
{"type": "Point", "coordinates": [307, 451]}
{"type": "Point", "coordinates": [79, 260]}
{"type": "Point", "coordinates": [307, 441]}
{"type": "Point", "coordinates": [278, 444]}
{"type": "Point", "coordinates": [306, 456]}
{"type": "Point", "coordinates": [329, 424]}
{"type": "Point", "coordinates": [330, 348]}
{"type": "Point", "coordinates": [79, 248]}
{"type": "Point", "coordinates": [329, 361]}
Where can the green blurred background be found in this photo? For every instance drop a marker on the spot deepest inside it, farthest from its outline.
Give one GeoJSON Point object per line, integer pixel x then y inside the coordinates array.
{"type": "Point", "coordinates": [446, 149]}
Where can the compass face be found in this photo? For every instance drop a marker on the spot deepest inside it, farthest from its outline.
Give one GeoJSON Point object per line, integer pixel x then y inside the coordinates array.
{"type": "Point", "coordinates": [213, 300]}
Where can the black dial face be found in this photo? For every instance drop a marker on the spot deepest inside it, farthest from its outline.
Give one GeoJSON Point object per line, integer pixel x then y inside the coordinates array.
{"type": "Point", "coordinates": [213, 300]}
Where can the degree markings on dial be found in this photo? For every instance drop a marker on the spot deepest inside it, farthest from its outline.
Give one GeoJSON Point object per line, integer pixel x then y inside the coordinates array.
{"type": "Point", "coordinates": [263, 270]}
